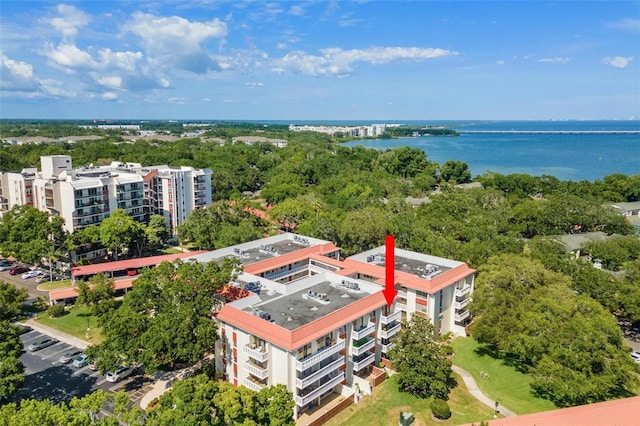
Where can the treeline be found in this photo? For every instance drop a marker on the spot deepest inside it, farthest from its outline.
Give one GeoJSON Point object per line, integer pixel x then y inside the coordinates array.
{"type": "Point", "coordinates": [356, 196]}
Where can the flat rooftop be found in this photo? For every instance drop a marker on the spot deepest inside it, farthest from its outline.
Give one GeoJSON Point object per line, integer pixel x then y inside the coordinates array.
{"type": "Point", "coordinates": [266, 251]}
{"type": "Point", "coordinates": [299, 308]}
{"type": "Point", "coordinates": [420, 265]}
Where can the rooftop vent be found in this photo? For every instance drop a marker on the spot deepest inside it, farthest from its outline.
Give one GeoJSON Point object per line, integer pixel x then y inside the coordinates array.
{"type": "Point", "coordinates": [300, 240]}
{"type": "Point", "coordinates": [316, 296]}
{"type": "Point", "coordinates": [350, 285]}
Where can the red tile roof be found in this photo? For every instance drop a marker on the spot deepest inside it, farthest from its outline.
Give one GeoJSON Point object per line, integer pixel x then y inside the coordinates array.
{"type": "Point", "coordinates": [121, 265]}
{"type": "Point", "coordinates": [293, 339]}
{"type": "Point", "coordinates": [619, 412]}
{"type": "Point", "coordinates": [288, 258]}
{"type": "Point", "coordinates": [72, 292]}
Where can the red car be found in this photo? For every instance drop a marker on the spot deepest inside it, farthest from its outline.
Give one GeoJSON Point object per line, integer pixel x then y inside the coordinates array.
{"type": "Point", "coordinates": [18, 270]}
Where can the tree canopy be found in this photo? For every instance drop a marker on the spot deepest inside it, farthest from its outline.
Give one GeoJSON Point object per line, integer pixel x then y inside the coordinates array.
{"type": "Point", "coordinates": [166, 318]}
{"type": "Point", "coordinates": [422, 363]}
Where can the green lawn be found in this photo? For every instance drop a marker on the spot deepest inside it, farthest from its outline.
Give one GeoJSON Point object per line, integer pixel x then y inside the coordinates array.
{"type": "Point", "coordinates": [499, 381]}
{"type": "Point", "coordinates": [75, 323]}
{"type": "Point", "coordinates": [54, 285]}
{"type": "Point", "coordinates": [386, 402]}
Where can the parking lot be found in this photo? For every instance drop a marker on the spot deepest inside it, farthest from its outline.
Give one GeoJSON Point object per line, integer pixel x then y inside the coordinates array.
{"type": "Point", "coordinates": [47, 377]}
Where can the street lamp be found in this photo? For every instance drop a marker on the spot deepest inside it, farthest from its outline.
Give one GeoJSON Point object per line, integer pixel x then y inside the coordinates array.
{"type": "Point", "coordinates": [495, 413]}
{"type": "Point", "coordinates": [88, 329]}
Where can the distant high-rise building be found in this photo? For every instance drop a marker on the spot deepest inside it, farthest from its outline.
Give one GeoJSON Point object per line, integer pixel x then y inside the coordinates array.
{"type": "Point", "coordinates": [85, 196]}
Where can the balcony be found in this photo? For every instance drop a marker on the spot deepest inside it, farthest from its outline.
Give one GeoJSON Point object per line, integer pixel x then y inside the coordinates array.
{"type": "Point", "coordinates": [302, 401]}
{"type": "Point", "coordinates": [461, 316]}
{"type": "Point", "coordinates": [363, 332]}
{"type": "Point", "coordinates": [462, 304]}
{"type": "Point", "coordinates": [257, 353]}
{"type": "Point", "coordinates": [386, 348]}
{"type": "Point", "coordinates": [401, 307]}
{"type": "Point", "coordinates": [390, 332]}
{"type": "Point", "coordinates": [463, 291]}
{"type": "Point", "coordinates": [386, 319]}
{"type": "Point", "coordinates": [259, 372]}
{"type": "Point", "coordinates": [402, 294]}
{"type": "Point", "coordinates": [278, 275]}
{"type": "Point", "coordinates": [255, 386]}
{"type": "Point", "coordinates": [357, 366]}
{"type": "Point", "coordinates": [313, 377]}
{"type": "Point", "coordinates": [324, 353]}
{"type": "Point", "coordinates": [364, 347]}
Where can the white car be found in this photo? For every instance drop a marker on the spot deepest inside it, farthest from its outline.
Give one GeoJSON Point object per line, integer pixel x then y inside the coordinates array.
{"type": "Point", "coordinates": [31, 274]}
{"type": "Point", "coordinates": [636, 356]}
{"type": "Point", "coordinates": [120, 373]}
{"type": "Point", "coordinates": [81, 361]}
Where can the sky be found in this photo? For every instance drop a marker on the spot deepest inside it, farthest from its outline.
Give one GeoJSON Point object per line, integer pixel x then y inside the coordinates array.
{"type": "Point", "coordinates": [320, 60]}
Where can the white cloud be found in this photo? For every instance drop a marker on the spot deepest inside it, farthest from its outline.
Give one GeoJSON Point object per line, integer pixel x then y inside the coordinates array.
{"type": "Point", "coordinates": [109, 96]}
{"type": "Point", "coordinates": [296, 10]}
{"type": "Point", "coordinates": [338, 62]}
{"type": "Point", "coordinates": [628, 24]}
{"type": "Point", "coordinates": [555, 60]}
{"type": "Point", "coordinates": [17, 75]}
{"type": "Point", "coordinates": [500, 62]}
{"type": "Point", "coordinates": [617, 61]}
{"type": "Point", "coordinates": [69, 56]}
{"type": "Point", "coordinates": [254, 85]}
{"type": "Point", "coordinates": [178, 41]}
{"type": "Point", "coordinates": [69, 20]}
{"type": "Point", "coordinates": [281, 46]}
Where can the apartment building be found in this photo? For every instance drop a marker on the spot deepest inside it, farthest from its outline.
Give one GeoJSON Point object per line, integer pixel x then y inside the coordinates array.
{"type": "Point", "coordinates": [85, 196]}
{"type": "Point", "coordinates": [318, 323]}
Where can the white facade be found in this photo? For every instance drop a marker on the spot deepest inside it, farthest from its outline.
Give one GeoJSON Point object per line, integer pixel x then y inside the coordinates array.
{"type": "Point", "coordinates": [316, 324]}
{"type": "Point", "coordinates": [85, 196]}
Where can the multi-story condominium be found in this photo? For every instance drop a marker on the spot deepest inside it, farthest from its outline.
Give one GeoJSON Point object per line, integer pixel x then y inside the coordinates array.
{"type": "Point", "coordinates": [85, 196]}
{"type": "Point", "coordinates": [317, 323]}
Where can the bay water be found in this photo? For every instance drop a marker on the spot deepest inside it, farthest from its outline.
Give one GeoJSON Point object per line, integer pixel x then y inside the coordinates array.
{"type": "Point", "coordinates": [567, 156]}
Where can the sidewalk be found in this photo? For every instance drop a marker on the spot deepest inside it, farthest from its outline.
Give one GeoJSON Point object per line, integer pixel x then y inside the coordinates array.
{"type": "Point", "coordinates": [164, 380]}
{"type": "Point", "coordinates": [56, 334]}
{"type": "Point", "coordinates": [474, 390]}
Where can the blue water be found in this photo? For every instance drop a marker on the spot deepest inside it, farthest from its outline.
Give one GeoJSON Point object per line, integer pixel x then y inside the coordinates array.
{"type": "Point", "coordinates": [566, 156]}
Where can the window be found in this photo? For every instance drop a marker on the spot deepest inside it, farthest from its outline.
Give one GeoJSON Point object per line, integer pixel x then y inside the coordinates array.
{"type": "Point", "coordinates": [304, 351]}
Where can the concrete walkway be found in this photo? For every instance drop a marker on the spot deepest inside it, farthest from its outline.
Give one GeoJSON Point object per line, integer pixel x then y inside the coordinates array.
{"type": "Point", "coordinates": [474, 390]}
{"type": "Point", "coordinates": [56, 334]}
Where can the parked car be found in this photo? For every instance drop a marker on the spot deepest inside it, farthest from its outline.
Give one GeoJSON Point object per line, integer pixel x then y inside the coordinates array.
{"type": "Point", "coordinates": [19, 269]}
{"type": "Point", "coordinates": [5, 265]}
{"type": "Point", "coordinates": [41, 344]}
{"type": "Point", "coordinates": [69, 356]}
{"type": "Point", "coordinates": [46, 277]}
{"type": "Point", "coordinates": [24, 329]}
{"type": "Point", "coordinates": [31, 274]}
{"type": "Point", "coordinates": [120, 373]}
{"type": "Point", "coordinates": [93, 366]}
{"type": "Point", "coordinates": [636, 356]}
{"type": "Point", "coordinates": [81, 360]}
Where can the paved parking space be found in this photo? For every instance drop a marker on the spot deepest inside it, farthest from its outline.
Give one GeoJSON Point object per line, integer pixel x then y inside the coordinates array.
{"type": "Point", "coordinates": [47, 378]}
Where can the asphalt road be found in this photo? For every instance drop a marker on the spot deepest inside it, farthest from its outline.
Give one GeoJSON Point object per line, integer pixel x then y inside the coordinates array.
{"type": "Point", "coordinates": [30, 284]}
{"type": "Point", "coordinates": [47, 378]}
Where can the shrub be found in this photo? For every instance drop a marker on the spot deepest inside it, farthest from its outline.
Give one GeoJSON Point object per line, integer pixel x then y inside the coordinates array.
{"type": "Point", "coordinates": [56, 311]}
{"type": "Point", "coordinates": [440, 409]}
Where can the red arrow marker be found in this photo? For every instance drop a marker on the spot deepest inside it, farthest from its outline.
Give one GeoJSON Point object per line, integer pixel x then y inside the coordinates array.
{"type": "Point", "coordinates": [390, 285]}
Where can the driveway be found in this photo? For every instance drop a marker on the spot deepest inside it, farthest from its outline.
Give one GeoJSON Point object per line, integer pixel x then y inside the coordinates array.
{"type": "Point", "coordinates": [30, 284]}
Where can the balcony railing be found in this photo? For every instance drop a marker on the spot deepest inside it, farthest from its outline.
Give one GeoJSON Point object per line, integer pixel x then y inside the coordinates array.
{"type": "Point", "coordinates": [463, 291]}
{"type": "Point", "coordinates": [401, 307]}
{"type": "Point", "coordinates": [357, 366]}
{"type": "Point", "coordinates": [462, 304]}
{"type": "Point", "coordinates": [324, 353]}
{"type": "Point", "coordinates": [386, 348]}
{"type": "Point", "coordinates": [364, 347]}
{"type": "Point", "coordinates": [363, 332]}
{"type": "Point", "coordinates": [258, 353]}
{"type": "Point", "coordinates": [402, 293]}
{"type": "Point", "coordinates": [277, 275]}
{"type": "Point", "coordinates": [306, 381]}
{"type": "Point", "coordinates": [302, 401]}
{"type": "Point", "coordinates": [461, 316]}
{"type": "Point", "coordinates": [255, 386]}
{"type": "Point", "coordinates": [386, 334]}
{"type": "Point", "coordinates": [259, 372]}
{"type": "Point", "coordinates": [386, 319]}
